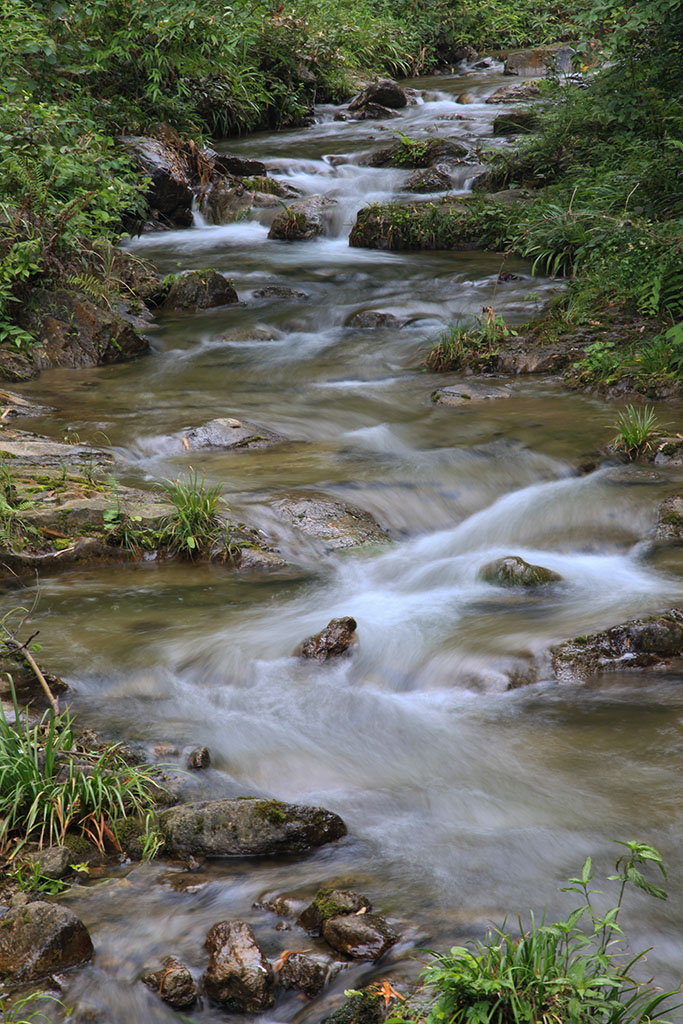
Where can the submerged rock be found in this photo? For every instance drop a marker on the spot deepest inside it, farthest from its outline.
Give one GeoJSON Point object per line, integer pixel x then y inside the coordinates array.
{"type": "Point", "coordinates": [39, 939]}
{"type": "Point", "coordinates": [670, 519]}
{"type": "Point", "coordinates": [173, 983]}
{"type": "Point", "coordinates": [337, 524]}
{"type": "Point", "coordinates": [301, 220]}
{"type": "Point", "coordinates": [465, 394]}
{"type": "Point", "coordinates": [386, 93]}
{"type": "Point", "coordinates": [331, 903]}
{"type": "Point", "coordinates": [238, 976]}
{"type": "Point", "coordinates": [336, 640]}
{"type": "Point", "coordinates": [246, 827]}
{"type": "Point", "coordinates": [360, 936]}
{"type": "Point", "coordinates": [640, 643]}
{"type": "Point", "coordinates": [513, 571]}
{"type": "Point", "coordinates": [279, 291]}
{"type": "Point", "coordinates": [200, 289]}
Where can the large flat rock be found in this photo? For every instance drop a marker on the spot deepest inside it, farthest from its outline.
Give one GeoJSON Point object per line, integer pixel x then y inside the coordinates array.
{"type": "Point", "coordinates": [243, 827]}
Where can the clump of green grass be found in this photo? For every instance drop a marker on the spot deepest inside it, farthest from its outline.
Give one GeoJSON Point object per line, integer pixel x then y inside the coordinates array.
{"type": "Point", "coordinates": [196, 524]}
{"type": "Point", "coordinates": [20, 1010]}
{"type": "Point", "coordinates": [576, 971]}
{"type": "Point", "coordinates": [475, 346]}
{"type": "Point", "coordinates": [49, 785]}
{"type": "Point", "coordinates": [16, 531]}
{"type": "Point", "coordinates": [636, 430]}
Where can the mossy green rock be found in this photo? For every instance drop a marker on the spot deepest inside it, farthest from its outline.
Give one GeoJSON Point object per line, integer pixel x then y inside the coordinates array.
{"type": "Point", "coordinates": [200, 289]}
{"type": "Point", "coordinates": [331, 903]}
{"type": "Point", "coordinates": [670, 519]}
{"type": "Point", "coordinates": [641, 643]}
{"type": "Point", "coordinates": [366, 1007]}
{"type": "Point", "coordinates": [513, 571]}
{"type": "Point", "coordinates": [243, 827]}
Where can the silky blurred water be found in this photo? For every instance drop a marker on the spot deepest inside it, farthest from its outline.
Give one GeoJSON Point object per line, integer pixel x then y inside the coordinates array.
{"type": "Point", "coordinates": [465, 803]}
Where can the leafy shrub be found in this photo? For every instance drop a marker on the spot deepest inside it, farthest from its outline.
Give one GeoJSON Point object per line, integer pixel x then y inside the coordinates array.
{"type": "Point", "coordinates": [575, 971]}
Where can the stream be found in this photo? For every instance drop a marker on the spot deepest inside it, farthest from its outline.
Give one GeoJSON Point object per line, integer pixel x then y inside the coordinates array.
{"type": "Point", "coordinates": [464, 803]}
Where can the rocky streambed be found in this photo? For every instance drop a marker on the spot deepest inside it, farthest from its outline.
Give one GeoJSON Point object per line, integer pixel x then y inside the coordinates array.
{"type": "Point", "coordinates": [370, 771]}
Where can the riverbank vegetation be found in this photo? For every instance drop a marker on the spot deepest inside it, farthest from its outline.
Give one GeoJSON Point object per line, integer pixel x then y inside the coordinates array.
{"type": "Point", "coordinates": [74, 78]}
{"type": "Point", "coordinates": [574, 970]}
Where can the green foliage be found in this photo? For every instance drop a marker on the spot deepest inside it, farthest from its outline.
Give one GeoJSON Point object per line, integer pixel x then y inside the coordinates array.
{"type": "Point", "coordinates": [16, 531]}
{"type": "Point", "coordinates": [195, 525]}
{"type": "Point", "coordinates": [636, 430]}
{"type": "Point", "coordinates": [50, 785]}
{"type": "Point", "coordinates": [576, 971]}
{"type": "Point", "coordinates": [475, 346]}
{"type": "Point", "coordinates": [21, 1011]}
{"type": "Point", "coordinates": [410, 152]}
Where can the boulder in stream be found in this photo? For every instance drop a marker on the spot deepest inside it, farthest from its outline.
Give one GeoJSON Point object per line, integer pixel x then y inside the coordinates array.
{"type": "Point", "coordinates": [369, 112]}
{"type": "Point", "coordinates": [199, 758]}
{"type": "Point", "coordinates": [170, 192]}
{"type": "Point", "coordinates": [513, 571]}
{"type": "Point", "coordinates": [670, 519]}
{"type": "Point", "coordinates": [386, 93]}
{"type": "Point", "coordinates": [173, 983]}
{"type": "Point", "coordinates": [654, 642]}
{"type": "Point", "coordinates": [70, 329]}
{"type": "Point", "coordinates": [246, 827]}
{"type": "Point", "coordinates": [336, 640]}
{"type": "Point", "coordinates": [418, 153]}
{"type": "Point", "coordinates": [331, 903]}
{"type": "Point", "coordinates": [360, 936]}
{"type": "Point", "coordinates": [371, 319]}
{"type": "Point", "coordinates": [238, 976]}
{"type": "Point", "coordinates": [365, 1007]}
{"type": "Point", "coordinates": [241, 167]}
{"type": "Point", "coordinates": [226, 432]}
{"type": "Point", "coordinates": [309, 974]}
{"type": "Point", "coordinates": [224, 202]}
{"type": "Point", "coordinates": [433, 179]}
{"type": "Point", "coordinates": [337, 524]}
{"type": "Point", "coordinates": [39, 939]}
{"type": "Point", "coordinates": [200, 289]}
{"type": "Point", "coordinates": [301, 220]}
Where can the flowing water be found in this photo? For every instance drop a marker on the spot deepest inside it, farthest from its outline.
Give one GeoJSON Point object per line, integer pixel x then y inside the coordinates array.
{"type": "Point", "coordinates": [464, 803]}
